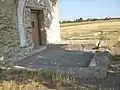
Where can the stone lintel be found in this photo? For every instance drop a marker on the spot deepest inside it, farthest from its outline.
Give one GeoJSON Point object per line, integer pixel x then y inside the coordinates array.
{"type": "Point", "coordinates": [35, 8]}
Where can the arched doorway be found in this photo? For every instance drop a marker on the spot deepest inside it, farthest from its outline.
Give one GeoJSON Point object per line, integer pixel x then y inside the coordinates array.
{"type": "Point", "coordinates": [32, 18]}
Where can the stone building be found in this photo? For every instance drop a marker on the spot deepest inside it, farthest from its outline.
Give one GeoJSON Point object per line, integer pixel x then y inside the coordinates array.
{"type": "Point", "coordinates": [27, 26]}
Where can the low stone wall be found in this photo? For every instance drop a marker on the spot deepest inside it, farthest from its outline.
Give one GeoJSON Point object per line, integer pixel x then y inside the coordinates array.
{"type": "Point", "coordinates": [96, 69]}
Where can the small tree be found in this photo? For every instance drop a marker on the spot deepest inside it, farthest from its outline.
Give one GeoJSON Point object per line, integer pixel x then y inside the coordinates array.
{"type": "Point", "coordinates": [81, 19]}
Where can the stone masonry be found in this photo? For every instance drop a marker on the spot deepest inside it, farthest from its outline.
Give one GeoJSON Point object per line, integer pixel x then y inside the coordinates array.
{"type": "Point", "coordinates": [15, 27]}
{"type": "Point", "coordinates": [9, 35]}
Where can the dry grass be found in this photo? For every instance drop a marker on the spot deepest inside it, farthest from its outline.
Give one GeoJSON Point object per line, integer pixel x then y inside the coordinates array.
{"type": "Point", "coordinates": [33, 80]}
{"type": "Point", "coordinates": [12, 85]}
{"type": "Point", "coordinates": [114, 43]}
{"type": "Point", "coordinates": [89, 31]}
{"type": "Point", "coordinates": [43, 80]}
{"type": "Point", "coordinates": [105, 26]}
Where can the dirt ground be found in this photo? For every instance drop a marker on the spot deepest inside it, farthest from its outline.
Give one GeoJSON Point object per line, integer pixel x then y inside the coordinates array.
{"type": "Point", "coordinates": [47, 80]}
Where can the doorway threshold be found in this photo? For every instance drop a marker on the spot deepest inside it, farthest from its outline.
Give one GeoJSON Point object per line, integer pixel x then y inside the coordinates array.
{"type": "Point", "coordinates": [40, 48]}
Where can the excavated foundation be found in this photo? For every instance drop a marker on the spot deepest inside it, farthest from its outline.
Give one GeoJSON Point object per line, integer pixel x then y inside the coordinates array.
{"type": "Point", "coordinates": [71, 62]}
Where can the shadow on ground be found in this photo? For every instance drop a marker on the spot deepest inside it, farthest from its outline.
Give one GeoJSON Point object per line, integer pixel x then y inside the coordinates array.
{"type": "Point", "coordinates": [57, 56]}
{"type": "Point", "coordinates": [112, 80]}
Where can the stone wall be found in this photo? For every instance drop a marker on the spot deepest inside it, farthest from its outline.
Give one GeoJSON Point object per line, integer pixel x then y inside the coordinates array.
{"type": "Point", "coordinates": [9, 35]}
{"type": "Point", "coordinates": [44, 5]}
{"type": "Point", "coordinates": [10, 41]}
{"type": "Point", "coordinates": [10, 47]}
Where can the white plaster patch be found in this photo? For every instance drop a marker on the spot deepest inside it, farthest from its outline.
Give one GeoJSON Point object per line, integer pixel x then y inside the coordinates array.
{"type": "Point", "coordinates": [2, 58]}
{"type": "Point", "coordinates": [19, 67]}
{"type": "Point", "coordinates": [54, 33]}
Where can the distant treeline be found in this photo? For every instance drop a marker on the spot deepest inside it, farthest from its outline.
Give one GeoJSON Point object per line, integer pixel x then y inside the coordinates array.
{"type": "Point", "coordinates": [89, 19]}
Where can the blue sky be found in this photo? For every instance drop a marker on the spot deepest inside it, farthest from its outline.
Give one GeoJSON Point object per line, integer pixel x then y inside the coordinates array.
{"type": "Point", "coordinates": [72, 9]}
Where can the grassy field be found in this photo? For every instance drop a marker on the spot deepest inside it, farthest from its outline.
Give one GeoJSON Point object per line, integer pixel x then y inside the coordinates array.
{"type": "Point", "coordinates": [89, 30]}
{"type": "Point", "coordinates": [85, 22]}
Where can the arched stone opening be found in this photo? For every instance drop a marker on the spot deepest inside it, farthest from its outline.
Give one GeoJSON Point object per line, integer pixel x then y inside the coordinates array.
{"type": "Point", "coordinates": [25, 7]}
{"type": "Point", "coordinates": [21, 6]}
